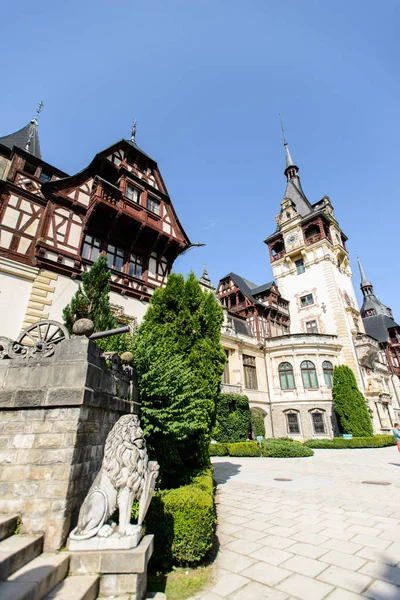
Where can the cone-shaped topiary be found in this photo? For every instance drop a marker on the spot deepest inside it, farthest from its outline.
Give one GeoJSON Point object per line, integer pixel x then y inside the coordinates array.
{"type": "Point", "coordinates": [91, 300]}
{"type": "Point", "coordinates": [257, 423]}
{"type": "Point", "coordinates": [350, 406]}
{"type": "Point", "coordinates": [179, 362]}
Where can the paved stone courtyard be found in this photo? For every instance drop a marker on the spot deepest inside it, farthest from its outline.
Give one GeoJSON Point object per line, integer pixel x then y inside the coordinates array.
{"type": "Point", "coordinates": [324, 534]}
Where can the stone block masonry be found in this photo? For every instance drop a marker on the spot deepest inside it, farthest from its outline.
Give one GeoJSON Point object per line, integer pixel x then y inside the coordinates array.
{"type": "Point", "coordinates": [55, 415]}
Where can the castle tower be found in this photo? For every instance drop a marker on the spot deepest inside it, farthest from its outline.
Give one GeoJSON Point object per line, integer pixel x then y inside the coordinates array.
{"type": "Point", "coordinates": [311, 265]}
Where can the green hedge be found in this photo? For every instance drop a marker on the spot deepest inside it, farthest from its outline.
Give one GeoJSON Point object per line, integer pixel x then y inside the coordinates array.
{"type": "Point", "coordinates": [272, 448]}
{"type": "Point", "coordinates": [376, 441]}
{"type": "Point", "coordinates": [244, 449]}
{"type": "Point", "coordinates": [233, 418]}
{"type": "Point", "coordinates": [284, 449]}
{"type": "Point", "coordinates": [182, 521]}
{"type": "Point", "coordinates": [218, 450]}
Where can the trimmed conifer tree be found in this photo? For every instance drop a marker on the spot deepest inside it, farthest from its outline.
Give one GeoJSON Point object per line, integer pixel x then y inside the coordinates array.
{"type": "Point", "coordinates": [350, 406]}
{"type": "Point", "coordinates": [91, 300]}
{"type": "Point", "coordinates": [179, 362]}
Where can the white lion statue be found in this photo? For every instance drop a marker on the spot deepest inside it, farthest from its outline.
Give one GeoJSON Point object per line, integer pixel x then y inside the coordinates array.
{"type": "Point", "coordinates": [125, 475]}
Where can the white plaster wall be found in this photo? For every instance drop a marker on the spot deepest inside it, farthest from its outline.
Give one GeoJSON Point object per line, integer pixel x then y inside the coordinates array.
{"type": "Point", "coordinates": [65, 288]}
{"type": "Point", "coordinates": [14, 295]}
{"type": "Point", "coordinates": [132, 306]}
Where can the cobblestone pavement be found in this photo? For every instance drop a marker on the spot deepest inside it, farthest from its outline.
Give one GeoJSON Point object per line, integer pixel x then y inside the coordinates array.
{"type": "Point", "coordinates": [324, 534]}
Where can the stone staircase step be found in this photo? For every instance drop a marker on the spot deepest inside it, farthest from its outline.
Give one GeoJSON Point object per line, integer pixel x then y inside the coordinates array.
{"type": "Point", "coordinates": [8, 524]}
{"type": "Point", "coordinates": [18, 550]}
{"type": "Point", "coordinates": [36, 579]}
{"type": "Point", "coordinates": [77, 587]}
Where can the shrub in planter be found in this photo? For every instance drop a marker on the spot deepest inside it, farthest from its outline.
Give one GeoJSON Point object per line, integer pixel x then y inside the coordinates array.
{"type": "Point", "coordinates": [376, 441]}
{"type": "Point", "coordinates": [218, 450]}
{"type": "Point", "coordinates": [182, 521]}
{"type": "Point", "coordinates": [233, 418]}
{"type": "Point", "coordinates": [244, 449]}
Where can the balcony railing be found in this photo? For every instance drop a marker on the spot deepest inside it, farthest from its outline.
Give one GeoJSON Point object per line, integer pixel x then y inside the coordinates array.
{"type": "Point", "coordinates": [313, 239]}
{"type": "Point", "coordinates": [278, 255]}
{"type": "Point", "coordinates": [227, 388]}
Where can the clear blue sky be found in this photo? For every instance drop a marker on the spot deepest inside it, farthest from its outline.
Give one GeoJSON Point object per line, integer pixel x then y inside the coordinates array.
{"type": "Point", "coordinates": [205, 79]}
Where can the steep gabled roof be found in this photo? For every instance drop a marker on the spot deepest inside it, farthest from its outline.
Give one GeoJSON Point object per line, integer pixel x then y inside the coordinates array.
{"type": "Point", "coordinates": [248, 288]}
{"type": "Point", "coordinates": [295, 193]}
{"type": "Point", "coordinates": [378, 326]}
{"type": "Point", "coordinates": [26, 138]}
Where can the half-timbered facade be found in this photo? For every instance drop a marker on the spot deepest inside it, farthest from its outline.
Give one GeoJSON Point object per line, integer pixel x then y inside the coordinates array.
{"type": "Point", "coordinates": [265, 311]}
{"type": "Point", "coordinates": [53, 226]}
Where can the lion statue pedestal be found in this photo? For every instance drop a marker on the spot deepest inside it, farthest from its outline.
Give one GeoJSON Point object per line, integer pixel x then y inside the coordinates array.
{"type": "Point", "coordinates": [126, 475]}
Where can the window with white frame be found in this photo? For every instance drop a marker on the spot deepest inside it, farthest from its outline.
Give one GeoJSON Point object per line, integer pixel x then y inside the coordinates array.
{"type": "Point", "coordinates": [153, 205]}
{"type": "Point", "coordinates": [312, 326]}
{"type": "Point", "coordinates": [309, 375]}
{"type": "Point", "coordinates": [300, 266]}
{"type": "Point", "coordinates": [307, 300]}
{"type": "Point", "coordinates": [135, 266]}
{"type": "Point", "coordinates": [250, 372]}
{"type": "Point", "coordinates": [286, 376]}
{"type": "Point", "coordinates": [91, 248]}
{"type": "Point", "coordinates": [225, 374]}
{"type": "Point", "coordinates": [115, 258]}
{"type": "Point", "coordinates": [132, 193]}
{"type": "Point", "coordinates": [318, 422]}
{"type": "Point", "coordinates": [327, 368]}
{"type": "Point", "coordinates": [292, 422]}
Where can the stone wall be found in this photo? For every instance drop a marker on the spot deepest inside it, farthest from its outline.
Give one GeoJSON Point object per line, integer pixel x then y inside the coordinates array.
{"type": "Point", "coordinates": [304, 411]}
{"type": "Point", "coordinates": [55, 415]}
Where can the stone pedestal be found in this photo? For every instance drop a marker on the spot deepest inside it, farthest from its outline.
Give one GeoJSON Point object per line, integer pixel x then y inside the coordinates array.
{"type": "Point", "coordinates": [55, 415]}
{"type": "Point", "coordinates": [122, 571]}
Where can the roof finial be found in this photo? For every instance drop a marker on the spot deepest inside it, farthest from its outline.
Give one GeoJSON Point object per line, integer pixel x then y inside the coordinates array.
{"type": "Point", "coordinates": [38, 111]}
{"type": "Point", "coordinates": [283, 131]}
{"type": "Point", "coordinates": [289, 159]}
{"type": "Point", "coordinates": [133, 133]}
{"type": "Point", "coordinates": [34, 123]}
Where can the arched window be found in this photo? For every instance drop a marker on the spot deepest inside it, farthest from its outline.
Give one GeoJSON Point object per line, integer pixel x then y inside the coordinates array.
{"type": "Point", "coordinates": [318, 421]}
{"type": "Point", "coordinates": [327, 368]}
{"type": "Point", "coordinates": [292, 422]}
{"type": "Point", "coordinates": [309, 375]}
{"type": "Point", "coordinates": [286, 376]}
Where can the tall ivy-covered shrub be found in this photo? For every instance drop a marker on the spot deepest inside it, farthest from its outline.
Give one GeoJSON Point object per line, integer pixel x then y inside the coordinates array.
{"type": "Point", "coordinates": [257, 423]}
{"type": "Point", "coordinates": [179, 362]}
{"type": "Point", "coordinates": [233, 418]}
{"type": "Point", "coordinates": [350, 406]}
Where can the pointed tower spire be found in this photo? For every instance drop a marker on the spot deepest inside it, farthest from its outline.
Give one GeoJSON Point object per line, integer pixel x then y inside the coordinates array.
{"type": "Point", "coordinates": [289, 159]}
{"type": "Point", "coordinates": [294, 191]}
{"type": "Point", "coordinates": [365, 283]}
{"type": "Point", "coordinates": [205, 280]}
{"type": "Point", "coordinates": [26, 138]}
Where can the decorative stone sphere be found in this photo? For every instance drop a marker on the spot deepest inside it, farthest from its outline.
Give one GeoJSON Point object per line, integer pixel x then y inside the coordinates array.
{"type": "Point", "coordinates": [83, 327]}
{"type": "Point", "coordinates": [127, 357]}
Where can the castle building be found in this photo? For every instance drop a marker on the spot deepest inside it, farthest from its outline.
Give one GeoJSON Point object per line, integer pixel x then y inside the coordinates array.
{"type": "Point", "coordinates": [306, 323]}
{"type": "Point", "coordinates": [54, 225]}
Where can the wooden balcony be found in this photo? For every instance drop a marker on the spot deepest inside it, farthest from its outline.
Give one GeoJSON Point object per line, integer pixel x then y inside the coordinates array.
{"type": "Point", "coordinates": [109, 195]}
{"type": "Point", "coordinates": [278, 255]}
